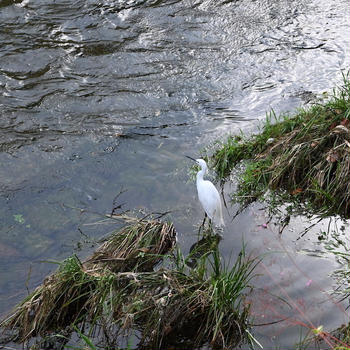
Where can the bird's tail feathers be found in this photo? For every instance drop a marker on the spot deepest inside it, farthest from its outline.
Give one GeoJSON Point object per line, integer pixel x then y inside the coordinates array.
{"type": "Point", "coordinates": [218, 218]}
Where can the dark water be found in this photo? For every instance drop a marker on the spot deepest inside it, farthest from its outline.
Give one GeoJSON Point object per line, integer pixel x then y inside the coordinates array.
{"type": "Point", "coordinates": [102, 96]}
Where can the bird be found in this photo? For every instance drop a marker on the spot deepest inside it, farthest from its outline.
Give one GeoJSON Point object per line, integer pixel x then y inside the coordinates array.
{"type": "Point", "coordinates": [208, 195]}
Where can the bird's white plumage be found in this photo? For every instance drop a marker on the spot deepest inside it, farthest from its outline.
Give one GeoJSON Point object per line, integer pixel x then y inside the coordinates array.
{"type": "Point", "coordinates": [209, 196]}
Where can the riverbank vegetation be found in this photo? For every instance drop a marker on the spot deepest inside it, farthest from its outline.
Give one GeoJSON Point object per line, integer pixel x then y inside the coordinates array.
{"type": "Point", "coordinates": [122, 292]}
{"type": "Point", "coordinates": [300, 159]}
{"type": "Point", "coordinates": [299, 164]}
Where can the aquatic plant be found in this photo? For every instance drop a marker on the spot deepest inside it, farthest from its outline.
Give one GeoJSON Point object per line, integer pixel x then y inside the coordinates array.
{"type": "Point", "coordinates": [337, 242]}
{"type": "Point", "coordinates": [318, 338]}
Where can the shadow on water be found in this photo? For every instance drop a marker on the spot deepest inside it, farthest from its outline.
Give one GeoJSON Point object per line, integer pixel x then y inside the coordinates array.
{"type": "Point", "coordinates": [101, 97]}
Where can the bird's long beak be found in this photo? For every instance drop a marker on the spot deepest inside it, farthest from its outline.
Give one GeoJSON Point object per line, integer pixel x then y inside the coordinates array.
{"type": "Point", "coordinates": [191, 158]}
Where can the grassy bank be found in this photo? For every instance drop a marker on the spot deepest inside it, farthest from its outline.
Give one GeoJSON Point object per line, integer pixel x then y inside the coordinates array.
{"type": "Point", "coordinates": [121, 292]}
{"type": "Point", "coordinates": [300, 162]}
{"type": "Point", "coordinates": [304, 157]}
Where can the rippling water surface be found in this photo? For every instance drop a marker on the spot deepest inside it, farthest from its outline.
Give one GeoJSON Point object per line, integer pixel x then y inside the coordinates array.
{"type": "Point", "coordinates": [102, 96]}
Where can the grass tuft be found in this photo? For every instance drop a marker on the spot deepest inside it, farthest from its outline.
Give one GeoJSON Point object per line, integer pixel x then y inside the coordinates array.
{"type": "Point", "coordinates": [83, 291]}
{"type": "Point", "coordinates": [118, 292]}
{"type": "Point", "coordinates": [306, 156]}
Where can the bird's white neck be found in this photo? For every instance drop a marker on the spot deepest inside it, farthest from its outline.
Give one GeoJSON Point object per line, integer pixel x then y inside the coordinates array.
{"type": "Point", "coordinates": [200, 174]}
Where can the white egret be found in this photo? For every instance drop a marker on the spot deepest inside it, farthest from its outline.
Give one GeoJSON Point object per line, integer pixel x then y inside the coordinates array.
{"type": "Point", "coordinates": [208, 195]}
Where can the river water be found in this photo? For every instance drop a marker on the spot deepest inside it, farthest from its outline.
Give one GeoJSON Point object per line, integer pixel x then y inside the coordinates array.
{"type": "Point", "coordinates": [99, 97]}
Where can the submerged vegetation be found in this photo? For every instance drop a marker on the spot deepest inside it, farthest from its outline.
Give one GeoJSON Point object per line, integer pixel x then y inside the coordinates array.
{"type": "Point", "coordinates": [304, 157]}
{"type": "Point", "coordinates": [122, 291]}
{"type": "Point", "coordinates": [339, 245]}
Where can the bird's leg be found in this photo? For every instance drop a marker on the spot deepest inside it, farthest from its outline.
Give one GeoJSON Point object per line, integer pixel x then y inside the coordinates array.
{"type": "Point", "coordinates": [201, 227]}
{"type": "Point", "coordinates": [210, 227]}
{"type": "Point", "coordinates": [199, 230]}
{"type": "Point", "coordinates": [205, 217]}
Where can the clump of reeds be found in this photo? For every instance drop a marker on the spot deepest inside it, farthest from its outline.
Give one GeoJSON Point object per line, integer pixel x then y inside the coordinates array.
{"type": "Point", "coordinates": [201, 306]}
{"type": "Point", "coordinates": [118, 290]}
{"type": "Point", "coordinates": [306, 156]}
{"type": "Point", "coordinates": [79, 291]}
{"type": "Point", "coordinates": [138, 247]}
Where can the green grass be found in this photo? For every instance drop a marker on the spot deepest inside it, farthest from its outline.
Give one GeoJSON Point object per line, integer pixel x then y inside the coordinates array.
{"type": "Point", "coordinates": [121, 289]}
{"type": "Point", "coordinates": [318, 338]}
{"type": "Point", "coordinates": [305, 157]}
{"type": "Point", "coordinates": [343, 334]}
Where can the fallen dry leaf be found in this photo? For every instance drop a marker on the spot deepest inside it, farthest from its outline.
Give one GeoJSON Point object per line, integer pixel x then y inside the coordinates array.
{"type": "Point", "coordinates": [333, 125]}
{"type": "Point", "coordinates": [332, 156]}
{"type": "Point", "coordinates": [320, 177]}
{"type": "Point", "coordinates": [340, 129]}
{"type": "Point", "coordinates": [345, 122]}
{"type": "Point", "coordinates": [297, 191]}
